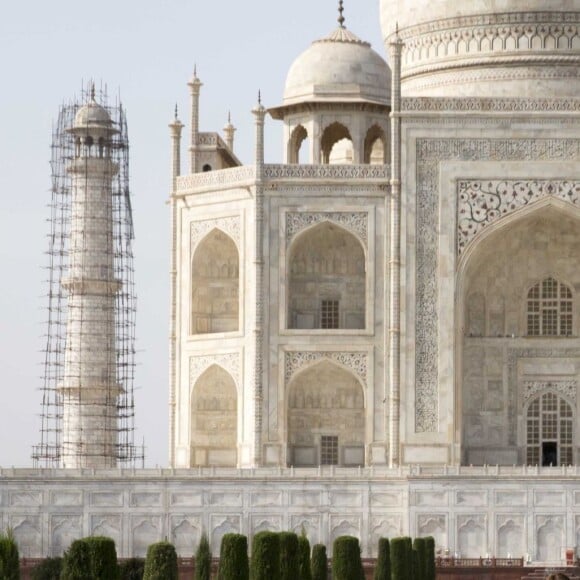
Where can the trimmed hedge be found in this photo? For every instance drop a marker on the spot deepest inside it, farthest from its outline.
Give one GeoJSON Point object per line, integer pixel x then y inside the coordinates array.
{"type": "Point", "coordinates": [203, 559]}
{"type": "Point", "coordinates": [383, 567]}
{"type": "Point", "coordinates": [420, 545]}
{"type": "Point", "coordinates": [76, 564]}
{"type": "Point", "coordinates": [399, 559]}
{"type": "Point", "coordinates": [48, 569]}
{"type": "Point", "coordinates": [9, 564]}
{"type": "Point", "coordinates": [415, 574]}
{"type": "Point", "coordinates": [430, 571]}
{"type": "Point", "coordinates": [265, 563]}
{"type": "Point", "coordinates": [319, 562]}
{"type": "Point", "coordinates": [132, 569]}
{"type": "Point", "coordinates": [346, 560]}
{"type": "Point", "coordinates": [304, 572]}
{"type": "Point", "coordinates": [161, 562]}
{"type": "Point", "coordinates": [289, 564]}
{"type": "Point", "coordinates": [234, 558]}
{"type": "Point", "coordinates": [103, 558]}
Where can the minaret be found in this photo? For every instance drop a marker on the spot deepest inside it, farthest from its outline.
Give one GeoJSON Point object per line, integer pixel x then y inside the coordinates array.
{"type": "Point", "coordinates": [89, 389]}
{"type": "Point", "coordinates": [195, 89]}
{"type": "Point", "coordinates": [229, 131]}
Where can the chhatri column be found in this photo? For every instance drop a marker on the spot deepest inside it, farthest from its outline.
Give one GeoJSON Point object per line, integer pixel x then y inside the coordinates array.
{"type": "Point", "coordinates": [89, 390]}
{"type": "Point", "coordinates": [395, 51]}
{"type": "Point", "coordinates": [194, 90]}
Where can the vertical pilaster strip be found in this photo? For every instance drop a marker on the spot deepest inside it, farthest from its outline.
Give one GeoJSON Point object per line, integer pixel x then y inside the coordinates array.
{"type": "Point", "coordinates": [176, 126]}
{"type": "Point", "coordinates": [395, 50]}
{"type": "Point", "coordinates": [260, 114]}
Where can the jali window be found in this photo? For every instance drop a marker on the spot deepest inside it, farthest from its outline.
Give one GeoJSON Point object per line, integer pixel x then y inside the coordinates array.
{"type": "Point", "coordinates": [549, 309]}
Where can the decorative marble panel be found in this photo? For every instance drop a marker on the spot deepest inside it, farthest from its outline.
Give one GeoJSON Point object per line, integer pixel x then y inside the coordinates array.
{"type": "Point", "coordinates": [430, 153]}
{"type": "Point", "coordinates": [472, 535]}
{"type": "Point", "coordinates": [394, 499]}
{"type": "Point", "coordinates": [66, 498]}
{"type": "Point", "coordinates": [550, 531]}
{"type": "Point", "coordinates": [471, 498]}
{"type": "Point", "coordinates": [146, 499]}
{"type": "Point", "coordinates": [347, 525]}
{"type": "Point", "coordinates": [483, 202]}
{"type": "Point", "coordinates": [229, 225]}
{"type": "Point", "coordinates": [229, 499]}
{"type": "Point", "coordinates": [266, 499]}
{"type": "Point", "coordinates": [25, 498]}
{"type": "Point", "coordinates": [64, 529]}
{"type": "Point", "coordinates": [354, 222]}
{"type": "Point", "coordinates": [188, 499]}
{"type": "Point", "coordinates": [106, 499]}
{"type": "Point", "coordinates": [345, 499]}
{"type": "Point", "coordinates": [511, 498]}
{"type": "Point", "coordinates": [388, 526]}
{"type": "Point", "coordinates": [511, 535]}
{"type": "Point", "coordinates": [357, 362]}
{"type": "Point", "coordinates": [221, 525]}
{"type": "Point", "coordinates": [265, 523]}
{"type": "Point", "coordinates": [433, 524]}
{"type": "Point", "coordinates": [27, 532]}
{"type": "Point", "coordinates": [185, 534]}
{"type": "Point", "coordinates": [145, 531]}
{"type": "Point", "coordinates": [108, 525]}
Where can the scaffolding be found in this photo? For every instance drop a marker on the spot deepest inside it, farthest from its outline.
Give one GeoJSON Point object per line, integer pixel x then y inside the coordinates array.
{"type": "Point", "coordinates": [88, 407]}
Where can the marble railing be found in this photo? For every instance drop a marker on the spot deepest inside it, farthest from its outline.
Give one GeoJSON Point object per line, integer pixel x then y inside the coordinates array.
{"type": "Point", "coordinates": [246, 174]}
{"type": "Point", "coordinates": [326, 472]}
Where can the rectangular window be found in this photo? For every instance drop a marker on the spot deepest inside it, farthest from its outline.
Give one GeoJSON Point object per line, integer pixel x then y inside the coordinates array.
{"type": "Point", "coordinates": [329, 450]}
{"type": "Point", "coordinates": [329, 314]}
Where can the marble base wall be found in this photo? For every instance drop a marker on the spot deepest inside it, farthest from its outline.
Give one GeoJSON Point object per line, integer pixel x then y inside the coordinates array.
{"type": "Point", "coordinates": [515, 511]}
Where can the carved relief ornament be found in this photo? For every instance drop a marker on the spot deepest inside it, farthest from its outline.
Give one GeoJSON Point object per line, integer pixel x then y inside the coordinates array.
{"type": "Point", "coordinates": [199, 364]}
{"type": "Point", "coordinates": [357, 362]}
{"type": "Point", "coordinates": [230, 225]}
{"type": "Point", "coordinates": [355, 222]}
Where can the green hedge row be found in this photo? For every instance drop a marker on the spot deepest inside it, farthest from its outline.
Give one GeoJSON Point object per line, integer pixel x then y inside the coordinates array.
{"type": "Point", "coordinates": [275, 556]}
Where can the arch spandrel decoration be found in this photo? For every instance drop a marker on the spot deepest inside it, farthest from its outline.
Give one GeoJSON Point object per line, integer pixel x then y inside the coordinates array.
{"type": "Point", "coordinates": [568, 389]}
{"type": "Point", "coordinates": [229, 225]}
{"type": "Point", "coordinates": [230, 362]}
{"type": "Point", "coordinates": [354, 222]}
{"type": "Point", "coordinates": [483, 202]}
{"type": "Point", "coordinates": [357, 362]}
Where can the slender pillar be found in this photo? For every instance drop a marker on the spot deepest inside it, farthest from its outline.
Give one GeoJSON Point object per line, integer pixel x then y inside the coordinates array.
{"type": "Point", "coordinates": [89, 389]}
{"type": "Point", "coordinates": [395, 50]}
{"type": "Point", "coordinates": [194, 90]}
{"type": "Point", "coordinates": [260, 114]}
{"type": "Point", "coordinates": [176, 127]}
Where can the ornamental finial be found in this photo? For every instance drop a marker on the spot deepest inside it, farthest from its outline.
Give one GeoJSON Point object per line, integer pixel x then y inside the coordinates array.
{"type": "Point", "coordinates": [341, 18]}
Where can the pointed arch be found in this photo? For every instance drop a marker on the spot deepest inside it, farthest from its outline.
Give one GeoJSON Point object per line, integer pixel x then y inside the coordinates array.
{"type": "Point", "coordinates": [375, 146]}
{"type": "Point", "coordinates": [327, 279]}
{"type": "Point", "coordinates": [326, 416]}
{"type": "Point", "coordinates": [335, 134]}
{"type": "Point", "coordinates": [499, 299]}
{"type": "Point", "coordinates": [215, 284]}
{"type": "Point", "coordinates": [214, 418]}
{"type": "Point", "coordinates": [297, 139]}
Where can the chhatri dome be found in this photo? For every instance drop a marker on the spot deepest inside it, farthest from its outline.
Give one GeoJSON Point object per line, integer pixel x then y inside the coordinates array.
{"type": "Point", "coordinates": [511, 48]}
{"type": "Point", "coordinates": [338, 90]}
{"type": "Point", "coordinates": [339, 67]}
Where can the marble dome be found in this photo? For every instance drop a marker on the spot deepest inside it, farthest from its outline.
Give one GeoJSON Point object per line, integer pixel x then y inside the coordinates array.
{"type": "Point", "coordinates": [338, 68]}
{"type": "Point", "coordinates": [92, 115]}
{"type": "Point", "coordinates": [486, 47]}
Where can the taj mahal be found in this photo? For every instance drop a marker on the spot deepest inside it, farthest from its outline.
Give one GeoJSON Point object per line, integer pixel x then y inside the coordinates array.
{"type": "Point", "coordinates": [378, 336]}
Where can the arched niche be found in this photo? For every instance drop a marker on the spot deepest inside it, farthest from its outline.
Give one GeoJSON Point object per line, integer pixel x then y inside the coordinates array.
{"type": "Point", "coordinates": [326, 417]}
{"type": "Point", "coordinates": [215, 285]}
{"type": "Point", "coordinates": [298, 146]}
{"type": "Point", "coordinates": [375, 146]}
{"type": "Point", "coordinates": [336, 144]}
{"type": "Point", "coordinates": [327, 280]}
{"type": "Point", "coordinates": [495, 277]}
{"type": "Point", "coordinates": [214, 419]}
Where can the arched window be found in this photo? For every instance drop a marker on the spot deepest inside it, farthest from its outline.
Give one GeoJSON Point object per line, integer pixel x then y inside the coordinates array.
{"type": "Point", "coordinates": [336, 145]}
{"type": "Point", "coordinates": [326, 417]}
{"type": "Point", "coordinates": [549, 309]}
{"type": "Point", "coordinates": [298, 151]}
{"type": "Point", "coordinates": [549, 431]}
{"type": "Point", "coordinates": [215, 285]}
{"type": "Point", "coordinates": [214, 419]}
{"type": "Point", "coordinates": [375, 146]}
{"type": "Point", "coordinates": [327, 282]}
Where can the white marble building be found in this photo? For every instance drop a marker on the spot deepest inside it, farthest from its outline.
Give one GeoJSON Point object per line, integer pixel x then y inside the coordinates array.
{"type": "Point", "coordinates": [359, 332]}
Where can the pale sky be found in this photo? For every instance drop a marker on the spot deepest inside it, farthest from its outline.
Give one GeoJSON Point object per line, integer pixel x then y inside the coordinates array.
{"type": "Point", "coordinates": [145, 50]}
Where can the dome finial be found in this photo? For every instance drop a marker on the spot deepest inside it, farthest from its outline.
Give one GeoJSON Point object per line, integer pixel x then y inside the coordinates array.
{"type": "Point", "coordinates": [92, 90]}
{"type": "Point", "coordinates": [341, 18]}
{"type": "Point", "coordinates": [176, 117]}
